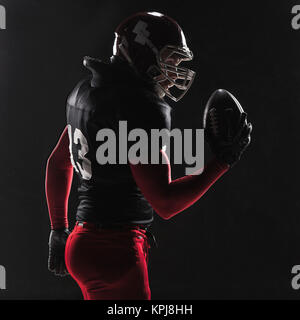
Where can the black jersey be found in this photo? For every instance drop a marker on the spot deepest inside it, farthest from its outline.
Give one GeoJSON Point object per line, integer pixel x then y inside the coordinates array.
{"type": "Point", "coordinates": [113, 93]}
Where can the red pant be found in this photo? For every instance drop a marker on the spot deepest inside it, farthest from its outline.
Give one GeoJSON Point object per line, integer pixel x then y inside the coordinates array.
{"type": "Point", "coordinates": [109, 264]}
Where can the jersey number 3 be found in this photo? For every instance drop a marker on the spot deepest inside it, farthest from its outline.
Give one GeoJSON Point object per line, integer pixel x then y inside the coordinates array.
{"type": "Point", "coordinates": [85, 168]}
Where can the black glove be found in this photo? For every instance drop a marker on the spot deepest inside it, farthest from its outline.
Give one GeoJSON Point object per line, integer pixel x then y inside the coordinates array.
{"type": "Point", "coordinates": [229, 146]}
{"type": "Point", "coordinates": [57, 243]}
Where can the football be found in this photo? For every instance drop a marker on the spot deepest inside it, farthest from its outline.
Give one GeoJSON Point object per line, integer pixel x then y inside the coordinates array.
{"type": "Point", "coordinates": [222, 116]}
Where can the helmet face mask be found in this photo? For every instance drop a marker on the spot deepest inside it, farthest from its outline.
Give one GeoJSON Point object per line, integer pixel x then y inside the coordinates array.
{"type": "Point", "coordinates": [167, 71]}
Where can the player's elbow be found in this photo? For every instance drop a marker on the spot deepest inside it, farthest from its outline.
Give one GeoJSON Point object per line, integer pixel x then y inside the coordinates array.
{"type": "Point", "coordinates": [166, 209]}
{"type": "Point", "coordinates": [163, 214]}
{"type": "Point", "coordinates": [50, 162]}
{"type": "Point", "coordinates": [167, 216]}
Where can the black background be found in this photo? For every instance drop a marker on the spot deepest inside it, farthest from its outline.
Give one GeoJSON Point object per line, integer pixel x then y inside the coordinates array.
{"type": "Point", "coordinates": [241, 240]}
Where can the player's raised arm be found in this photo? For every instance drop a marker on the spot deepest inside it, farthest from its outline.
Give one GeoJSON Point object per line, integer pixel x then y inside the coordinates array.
{"type": "Point", "coordinates": [59, 174]}
{"type": "Point", "coordinates": [169, 197]}
{"type": "Point", "coordinates": [228, 134]}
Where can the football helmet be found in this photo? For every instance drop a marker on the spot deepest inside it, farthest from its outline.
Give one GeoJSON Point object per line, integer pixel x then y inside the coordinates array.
{"type": "Point", "coordinates": [154, 45]}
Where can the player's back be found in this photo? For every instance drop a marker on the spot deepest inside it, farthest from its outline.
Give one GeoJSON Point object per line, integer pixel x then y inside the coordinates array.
{"type": "Point", "coordinates": [108, 192]}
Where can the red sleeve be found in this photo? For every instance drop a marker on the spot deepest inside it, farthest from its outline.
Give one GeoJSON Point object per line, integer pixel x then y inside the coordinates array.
{"type": "Point", "coordinates": [59, 175]}
{"type": "Point", "coordinates": [168, 197]}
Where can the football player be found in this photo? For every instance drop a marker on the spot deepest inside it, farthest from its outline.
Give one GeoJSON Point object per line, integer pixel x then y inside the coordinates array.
{"type": "Point", "coordinates": [107, 251]}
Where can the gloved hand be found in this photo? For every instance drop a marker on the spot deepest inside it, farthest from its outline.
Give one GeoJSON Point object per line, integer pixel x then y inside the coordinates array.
{"type": "Point", "coordinates": [57, 243]}
{"type": "Point", "coordinates": [229, 146]}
